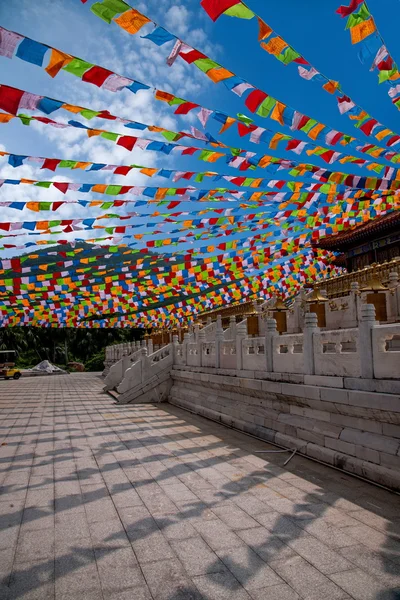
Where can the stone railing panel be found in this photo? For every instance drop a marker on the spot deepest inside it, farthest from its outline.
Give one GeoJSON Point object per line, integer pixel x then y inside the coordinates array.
{"type": "Point", "coordinates": [254, 358]}
{"type": "Point", "coordinates": [228, 354]}
{"type": "Point", "coordinates": [288, 353]}
{"type": "Point", "coordinates": [337, 352]}
{"type": "Point", "coordinates": [386, 351]}
{"type": "Point", "coordinates": [208, 354]}
{"type": "Point", "coordinates": [193, 356]}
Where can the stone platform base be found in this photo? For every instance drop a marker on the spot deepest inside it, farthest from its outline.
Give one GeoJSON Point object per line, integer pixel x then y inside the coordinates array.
{"type": "Point", "coordinates": [356, 431]}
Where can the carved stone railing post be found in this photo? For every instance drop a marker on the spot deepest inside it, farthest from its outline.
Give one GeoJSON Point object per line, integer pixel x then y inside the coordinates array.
{"type": "Point", "coordinates": [150, 348]}
{"type": "Point", "coordinates": [137, 344]}
{"type": "Point", "coordinates": [270, 333]}
{"type": "Point", "coordinates": [144, 363]}
{"type": "Point", "coordinates": [201, 338]}
{"type": "Point", "coordinates": [196, 332]}
{"type": "Point", "coordinates": [186, 341]}
{"type": "Point", "coordinates": [366, 324]}
{"type": "Point", "coordinates": [241, 334]}
{"type": "Point", "coordinates": [394, 297]}
{"type": "Point", "coordinates": [310, 328]}
{"type": "Point", "coordinates": [219, 338]}
{"type": "Point", "coordinates": [175, 348]}
{"type": "Point", "coordinates": [232, 327]}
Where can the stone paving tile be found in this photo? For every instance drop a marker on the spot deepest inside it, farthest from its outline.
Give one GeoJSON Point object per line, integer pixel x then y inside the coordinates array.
{"type": "Point", "coordinates": [143, 502]}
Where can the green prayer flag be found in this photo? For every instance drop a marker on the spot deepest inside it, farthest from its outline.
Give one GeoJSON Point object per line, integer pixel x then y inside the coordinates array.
{"type": "Point", "coordinates": [288, 56]}
{"type": "Point", "coordinates": [108, 135]}
{"type": "Point", "coordinates": [266, 106]}
{"type": "Point", "coordinates": [67, 164]}
{"type": "Point", "coordinates": [113, 190]}
{"type": "Point", "coordinates": [43, 184]}
{"type": "Point", "coordinates": [25, 119]}
{"type": "Point", "coordinates": [309, 125]}
{"type": "Point", "coordinates": [77, 67]}
{"type": "Point", "coordinates": [108, 9]}
{"type": "Point", "coordinates": [245, 119]}
{"type": "Point", "coordinates": [240, 11]}
{"type": "Point", "coordinates": [45, 205]}
{"type": "Point", "coordinates": [170, 135]}
{"type": "Point", "coordinates": [355, 18]}
{"type": "Point", "coordinates": [89, 114]}
{"type": "Point", "coordinates": [205, 64]}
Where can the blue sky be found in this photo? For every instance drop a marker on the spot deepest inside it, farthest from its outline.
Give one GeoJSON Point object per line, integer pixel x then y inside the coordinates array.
{"type": "Point", "coordinates": [311, 26]}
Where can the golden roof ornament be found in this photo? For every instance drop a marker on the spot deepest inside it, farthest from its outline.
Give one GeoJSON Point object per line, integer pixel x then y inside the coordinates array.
{"type": "Point", "coordinates": [316, 297]}
{"type": "Point", "coordinates": [373, 284]}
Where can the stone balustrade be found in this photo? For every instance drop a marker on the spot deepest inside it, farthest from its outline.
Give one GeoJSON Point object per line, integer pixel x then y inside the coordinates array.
{"type": "Point", "coordinates": [369, 350]}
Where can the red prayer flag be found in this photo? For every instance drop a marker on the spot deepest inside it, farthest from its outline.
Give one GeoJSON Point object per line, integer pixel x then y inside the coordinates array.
{"type": "Point", "coordinates": [254, 99]}
{"type": "Point", "coordinates": [345, 11]}
{"type": "Point", "coordinates": [191, 56]}
{"type": "Point", "coordinates": [96, 75]}
{"type": "Point", "coordinates": [63, 187]}
{"type": "Point", "coordinates": [186, 107]}
{"type": "Point", "coordinates": [122, 170]}
{"type": "Point", "coordinates": [215, 8]}
{"type": "Point", "coordinates": [51, 164]}
{"type": "Point", "coordinates": [368, 126]}
{"type": "Point", "coordinates": [127, 141]}
{"type": "Point", "coordinates": [10, 99]}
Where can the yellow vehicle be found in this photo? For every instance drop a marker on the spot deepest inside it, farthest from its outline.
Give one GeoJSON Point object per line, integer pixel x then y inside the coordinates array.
{"type": "Point", "coordinates": [7, 365]}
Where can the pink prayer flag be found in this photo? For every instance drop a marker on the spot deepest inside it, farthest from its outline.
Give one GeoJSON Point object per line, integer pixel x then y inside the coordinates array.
{"type": "Point", "coordinates": [307, 74]}
{"type": "Point", "coordinates": [29, 101]}
{"type": "Point", "coordinates": [8, 42]}
{"type": "Point", "coordinates": [240, 89]}
{"type": "Point", "coordinates": [204, 115]}
{"type": "Point", "coordinates": [115, 83]}
{"type": "Point", "coordinates": [174, 53]}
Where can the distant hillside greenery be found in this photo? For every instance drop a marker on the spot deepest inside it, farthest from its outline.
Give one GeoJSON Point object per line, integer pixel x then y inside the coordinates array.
{"type": "Point", "coordinates": [63, 345]}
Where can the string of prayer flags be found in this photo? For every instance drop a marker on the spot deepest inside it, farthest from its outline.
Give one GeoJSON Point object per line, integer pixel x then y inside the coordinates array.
{"type": "Point", "coordinates": [363, 32]}
{"type": "Point", "coordinates": [264, 105]}
{"type": "Point", "coordinates": [277, 111]}
{"type": "Point", "coordinates": [276, 46]}
{"type": "Point", "coordinates": [13, 99]}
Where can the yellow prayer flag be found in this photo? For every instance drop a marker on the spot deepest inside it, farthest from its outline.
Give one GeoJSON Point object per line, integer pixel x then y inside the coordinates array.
{"type": "Point", "coordinates": [72, 108]}
{"type": "Point", "coordinates": [82, 165]}
{"type": "Point", "coordinates": [5, 118]}
{"type": "Point", "coordinates": [275, 141]}
{"type": "Point", "coordinates": [229, 121]}
{"type": "Point", "coordinates": [100, 188]}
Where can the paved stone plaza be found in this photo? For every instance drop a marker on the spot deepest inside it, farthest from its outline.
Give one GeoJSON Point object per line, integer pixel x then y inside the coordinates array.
{"type": "Point", "coordinates": [150, 502]}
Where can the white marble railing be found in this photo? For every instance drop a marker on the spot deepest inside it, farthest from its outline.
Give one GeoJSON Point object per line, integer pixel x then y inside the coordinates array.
{"type": "Point", "coordinates": [368, 351]}
{"type": "Point", "coordinates": [386, 351]}
{"type": "Point", "coordinates": [337, 353]}
{"type": "Point", "coordinates": [288, 353]}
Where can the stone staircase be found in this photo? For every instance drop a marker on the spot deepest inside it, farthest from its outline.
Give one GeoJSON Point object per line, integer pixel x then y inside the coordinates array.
{"type": "Point", "coordinates": [141, 377]}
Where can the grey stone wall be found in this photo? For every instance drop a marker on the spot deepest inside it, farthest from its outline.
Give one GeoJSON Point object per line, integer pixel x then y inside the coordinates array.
{"type": "Point", "coordinates": [356, 431]}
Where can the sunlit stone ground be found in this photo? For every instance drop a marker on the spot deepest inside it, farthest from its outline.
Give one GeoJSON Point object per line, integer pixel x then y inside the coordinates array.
{"type": "Point", "coordinates": [140, 502]}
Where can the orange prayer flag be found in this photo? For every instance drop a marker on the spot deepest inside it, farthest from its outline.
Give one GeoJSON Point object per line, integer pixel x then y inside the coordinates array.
{"type": "Point", "coordinates": [275, 140]}
{"type": "Point", "coordinates": [229, 121]}
{"type": "Point", "coordinates": [382, 134]}
{"type": "Point", "coordinates": [362, 30]}
{"type": "Point", "coordinates": [100, 188]}
{"type": "Point", "coordinates": [81, 165]}
{"type": "Point", "coordinates": [148, 171]}
{"type": "Point", "coordinates": [264, 162]}
{"type": "Point", "coordinates": [132, 21]}
{"type": "Point", "coordinates": [58, 60]}
{"type": "Point", "coordinates": [275, 45]}
{"type": "Point", "coordinates": [33, 206]}
{"type": "Point", "coordinates": [331, 86]}
{"type": "Point", "coordinates": [315, 131]}
{"type": "Point", "coordinates": [5, 118]}
{"type": "Point", "coordinates": [93, 132]}
{"type": "Point", "coordinates": [264, 30]}
{"type": "Point", "coordinates": [219, 74]}
{"type": "Point", "coordinates": [42, 225]}
{"type": "Point", "coordinates": [277, 113]}
{"type": "Point", "coordinates": [27, 181]}
{"type": "Point", "coordinates": [164, 96]}
{"type": "Point", "coordinates": [72, 108]}
{"type": "Point", "coordinates": [156, 129]}
{"type": "Point", "coordinates": [360, 116]}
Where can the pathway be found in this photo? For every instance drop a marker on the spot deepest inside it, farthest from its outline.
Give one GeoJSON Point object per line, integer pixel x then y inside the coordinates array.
{"type": "Point", "coordinates": [150, 502]}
